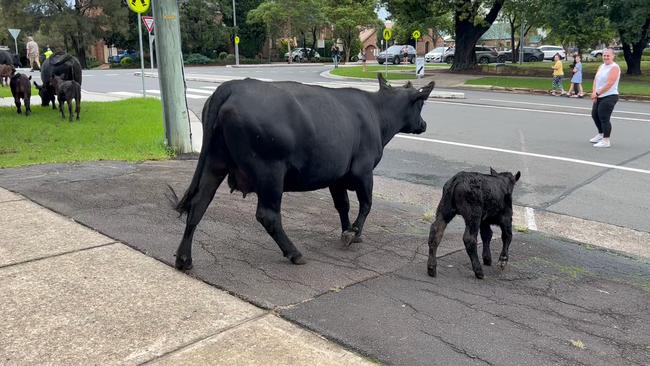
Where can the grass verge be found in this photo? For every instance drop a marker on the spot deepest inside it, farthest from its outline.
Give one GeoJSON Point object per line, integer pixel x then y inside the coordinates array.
{"type": "Point", "coordinates": [130, 130]}
{"type": "Point", "coordinates": [395, 72]}
{"type": "Point", "coordinates": [631, 87]}
{"type": "Point", "coordinates": [5, 92]}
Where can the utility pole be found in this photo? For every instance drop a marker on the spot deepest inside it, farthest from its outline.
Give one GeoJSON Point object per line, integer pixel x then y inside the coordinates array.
{"type": "Point", "coordinates": [172, 83]}
{"type": "Point", "coordinates": [521, 41]}
{"type": "Point", "coordinates": [234, 24]}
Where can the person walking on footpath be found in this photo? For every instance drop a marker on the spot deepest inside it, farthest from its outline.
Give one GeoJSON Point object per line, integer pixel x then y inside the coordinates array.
{"type": "Point", "coordinates": [558, 73]}
{"type": "Point", "coordinates": [33, 54]}
{"type": "Point", "coordinates": [335, 55]}
{"type": "Point", "coordinates": [604, 95]}
{"type": "Point", "coordinates": [576, 79]}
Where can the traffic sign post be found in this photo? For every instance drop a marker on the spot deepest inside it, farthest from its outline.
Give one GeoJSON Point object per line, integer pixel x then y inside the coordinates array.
{"type": "Point", "coordinates": [419, 63]}
{"type": "Point", "coordinates": [139, 7]}
{"type": "Point", "coordinates": [388, 34]}
{"type": "Point", "coordinates": [148, 23]}
{"type": "Point", "coordinates": [15, 33]}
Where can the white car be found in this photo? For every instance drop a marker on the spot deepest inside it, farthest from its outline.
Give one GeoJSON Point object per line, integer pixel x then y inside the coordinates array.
{"type": "Point", "coordinates": [435, 55]}
{"type": "Point", "coordinates": [551, 51]}
{"type": "Point", "coordinates": [599, 53]}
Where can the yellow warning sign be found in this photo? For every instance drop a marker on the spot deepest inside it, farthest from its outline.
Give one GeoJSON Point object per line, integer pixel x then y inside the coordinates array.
{"type": "Point", "coordinates": [416, 34]}
{"type": "Point", "coordinates": [139, 6]}
{"type": "Point", "coordinates": [388, 34]}
{"type": "Point", "coordinates": [236, 39]}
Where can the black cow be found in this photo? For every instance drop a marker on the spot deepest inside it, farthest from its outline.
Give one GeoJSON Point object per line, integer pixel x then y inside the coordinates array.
{"type": "Point", "coordinates": [6, 72]}
{"type": "Point", "coordinates": [60, 64]}
{"type": "Point", "coordinates": [66, 91]}
{"type": "Point", "coordinates": [482, 200]}
{"type": "Point", "coordinates": [21, 89]}
{"type": "Point", "coordinates": [7, 58]}
{"type": "Point", "coordinates": [275, 137]}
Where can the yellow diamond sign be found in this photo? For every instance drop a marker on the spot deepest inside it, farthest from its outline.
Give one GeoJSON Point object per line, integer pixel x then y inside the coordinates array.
{"type": "Point", "coordinates": [139, 6]}
{"type": "Point", "coordinates": [388, 34]}
{"type": "Point", "coordinates": [236, 39]}
{"type": "Point", "coordinates": [416, 35]}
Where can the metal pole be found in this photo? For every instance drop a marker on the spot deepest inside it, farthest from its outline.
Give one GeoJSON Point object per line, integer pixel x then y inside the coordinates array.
{"type": "Point", "coordinates": [234, 23]}
{"type": "Point", "coordinates": [155, 35]}
{"type": "Point", "coordinates": [521, 42]}
{"type": "Point", "coordinates": [150, 51]}
{"type": "Point", "coordinates": [16, 45]}
{"type": "Point", "coordinates": [386, 58]}
{"type": "Point", "coordinates": [144, 92]}
{"type": "Point", "coordinates": [170, 62]}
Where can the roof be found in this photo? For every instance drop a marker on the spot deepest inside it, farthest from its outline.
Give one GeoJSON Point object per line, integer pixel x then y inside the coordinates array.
{"type": "Point", "coordinates": [497, 31]}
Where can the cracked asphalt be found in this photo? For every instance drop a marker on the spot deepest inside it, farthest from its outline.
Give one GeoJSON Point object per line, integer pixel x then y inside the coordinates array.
{"type": "Point", "coordinates": [557, 302]}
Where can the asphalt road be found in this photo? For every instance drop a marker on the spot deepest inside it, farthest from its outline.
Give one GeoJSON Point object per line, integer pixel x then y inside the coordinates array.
{"type": "Point", "coordinates": [544, 137]}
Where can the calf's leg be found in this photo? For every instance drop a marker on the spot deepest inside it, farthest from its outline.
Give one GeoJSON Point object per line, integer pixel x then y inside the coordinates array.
{"type": "Point", "coordinates": [17, 102]}
{"type": "Point", "coordinates": [486, 236]}
{"type": "Point", "coordinates": [61, 101]}
{"type": "Point", "coordinates": [364, 195]}
{"type": "Point", "coordinates": [210, 181]}
{"type": "Point", "coordinates": [472, 224]}
{"type": "Point", "coordinates": [77, 106]}
{"type": "Point", "coordinates": [70, 110]}
{"type": "Point", "coordinates": [506, 237]}
{"type": "Point", "coordinates": [435, 236]}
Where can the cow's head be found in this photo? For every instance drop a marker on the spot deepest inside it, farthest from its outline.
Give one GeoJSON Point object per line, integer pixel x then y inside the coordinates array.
{"type": "Point", "coordinates": [507, 177]}
{"type": "Point", "coordinates": [406, 104]}
{"type": "Point", "coordinates": [16, 60]}
{"type": "Point", "coordinates": [45, 94]}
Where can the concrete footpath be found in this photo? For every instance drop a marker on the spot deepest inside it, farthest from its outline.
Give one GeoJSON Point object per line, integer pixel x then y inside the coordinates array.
{"type": "Point", "coordinates": [71, 295]}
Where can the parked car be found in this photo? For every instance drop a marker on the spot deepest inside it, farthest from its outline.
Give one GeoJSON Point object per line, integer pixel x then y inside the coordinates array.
{"type": "Point", "coordinates": [530, 55]}
{"type": "Point", "coordinates": [300, 55]}
{"type": "Point", "coordinates": [4, 48]}
{"type": "Point", "coordinates": [551, 51]}
{"type": "Point", "coordinates": [115, 59]}
{"type": "Point", "coordinates": [484, 55]}
{"type": "Point", "coordinates": [599, 53]}
{"type": "Point", "coordinates": [394, 54]}
{"type": "Point", "coordinates": [435, 55]}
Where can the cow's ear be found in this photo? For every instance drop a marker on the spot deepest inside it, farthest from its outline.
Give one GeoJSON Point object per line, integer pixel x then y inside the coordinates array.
{"type": "Point", "coordinates": [517, 176]}
{"type": "Point", "coordinates": [425, 91]}
{"type": "Point", "coordinates": [383, 84]}
{"type": "Point", "coordinates": [493, 172]}
{"type": "Point", "coordinates": [37, 86]}
{"type": "Point", "coordinates": [408, 85]}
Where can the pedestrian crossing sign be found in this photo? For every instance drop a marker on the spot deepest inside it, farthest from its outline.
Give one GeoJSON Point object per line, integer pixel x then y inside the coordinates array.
{"type": "Point", "coordinates": [388, 34]}
{"type": "Point", "coordinates": [139, 6]}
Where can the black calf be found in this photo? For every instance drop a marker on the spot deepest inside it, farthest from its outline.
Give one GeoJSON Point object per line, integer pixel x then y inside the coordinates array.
{"type": "Point", "coordinates": [21, 89]}
{"type": "Point", "coordinates": [66, 91]}
{"type": "Point", "coordinates": [482, 200]}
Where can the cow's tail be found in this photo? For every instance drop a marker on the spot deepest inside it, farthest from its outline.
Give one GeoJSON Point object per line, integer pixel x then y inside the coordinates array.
{"type": "Point", "coordinates": [209, 120]}
{"type": "Point", "coordinates": [446, 208]}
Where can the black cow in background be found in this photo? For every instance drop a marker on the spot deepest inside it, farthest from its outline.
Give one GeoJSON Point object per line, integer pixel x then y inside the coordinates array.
{"type": "Point", "coordinates": [482, 200]}
{"type": "Point", "coordinates": [61, 64]}
{"type": "Point", "coordinates": [7, 58]}
{"type": "Point", "coordinates": [275, 137]}
{"type": "Point", "coordinates": [21, 89]}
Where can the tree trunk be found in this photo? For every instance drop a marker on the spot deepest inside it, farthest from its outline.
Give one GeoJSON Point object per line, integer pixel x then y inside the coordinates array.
{"type": "Point", "coordinates": [513, 27]}
{"type": "Point", "coordinates": [632, 54]}
{"type": "Point", "coordinates": [313, 41]}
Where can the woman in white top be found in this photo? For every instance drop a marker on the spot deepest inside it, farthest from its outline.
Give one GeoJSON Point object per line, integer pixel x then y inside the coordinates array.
{"type": "Point", "coordinates": [604, 94]}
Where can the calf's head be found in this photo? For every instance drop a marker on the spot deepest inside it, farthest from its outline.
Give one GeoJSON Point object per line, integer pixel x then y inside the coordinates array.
{"type": "Point", "coordinates": [508, 178]}
{"type": "Point", "coordinates": [404, 104]}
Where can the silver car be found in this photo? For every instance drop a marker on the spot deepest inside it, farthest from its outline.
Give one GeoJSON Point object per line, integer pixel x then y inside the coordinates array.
{"type": "Point", "coordinates": [435, 55]}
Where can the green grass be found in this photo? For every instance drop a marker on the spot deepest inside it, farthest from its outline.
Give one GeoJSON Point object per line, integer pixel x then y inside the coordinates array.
{"type": "Point", "coordinates": [5, 92]}
{"type": "Point", "coordinates": [130, 130]}
{"type": "Point", "coordinates": [395, 72]}
{"type": "Point", "coordinates": [631, 87]}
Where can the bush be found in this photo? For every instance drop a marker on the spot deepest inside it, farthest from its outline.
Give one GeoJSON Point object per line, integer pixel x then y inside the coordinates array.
{"type": "Point", "coordinates": [126, 61]}
{"type": "Point", "coordinates": [223, 55]}
{"type": "Point", "coordinates": [645, 58]}
{"type": "Point", "coordinates": [230, 59]}
{"type": "Point", "coordinates": [197, 59]}
{"type": "Point", "coordinates": [91, 63]}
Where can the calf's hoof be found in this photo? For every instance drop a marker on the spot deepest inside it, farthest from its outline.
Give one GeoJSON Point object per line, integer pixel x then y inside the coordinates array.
{"type": "Point", "coordinates": [431, 271]}
{"type": "Point", "coordinates": [350, 236]}
{"type": "Point", "coordinates": [503, 261]}
{"type": "Point", "coordinates": [487, 261]}
{"type": "Point", "coordinates": [183, 263]}
{"type": "Point", "coordinates": [297, 259]}
{"type": "Point", "coordinates": [479, 275]}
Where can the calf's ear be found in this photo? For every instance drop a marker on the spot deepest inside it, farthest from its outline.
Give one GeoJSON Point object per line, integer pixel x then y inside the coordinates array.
{"type": "Point", "coordinates": [383, 84]}
{"type": "Point", "coordinates": [517, 176]}
{"type": "Point", "coordinates": [493, 172]}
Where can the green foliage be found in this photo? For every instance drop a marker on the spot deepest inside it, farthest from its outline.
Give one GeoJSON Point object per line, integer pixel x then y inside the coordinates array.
{"type": "Point", "coordinates": [126, 61]}
{"type": "Point", "coordinates": [230, 59]}
{"type": "Point", "coordinates": [201, 31]}
{"type": "Point", "coordinates": [197, 59]}
{"type": "Point", "coordinates": [92, 63]}
{"type": "Point", "coordinates": [579, 22]}
{"type": "Point", "coordinates": [349, 17]}
{"type": "Point", "coordinates": [223, 55]}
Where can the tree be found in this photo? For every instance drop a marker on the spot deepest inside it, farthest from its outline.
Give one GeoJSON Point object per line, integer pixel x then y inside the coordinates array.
{"type": "Point", "coordinates": [202, 30]}
{"type": "Point", "coordinates": [513, 12]}
{"type": "Point", "coordinates": [471, 19]}
{"type": "Point", "coordinates": [350, 16]}
{"type": "Point", "coordinates": [580, 22]}
{"type": "Point", "coordinates": [631, 18]}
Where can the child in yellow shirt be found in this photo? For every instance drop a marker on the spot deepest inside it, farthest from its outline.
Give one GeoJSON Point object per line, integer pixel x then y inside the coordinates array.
{"type": "Point", "coordinates": [558, 72]}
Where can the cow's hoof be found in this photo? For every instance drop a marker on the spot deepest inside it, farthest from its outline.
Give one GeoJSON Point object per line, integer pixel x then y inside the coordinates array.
{"type": "Point", "coordinates": [487, 261]}
{"type": "Point", "coordinates": [502, 264]}
{"type": "Point", "coordinates": [298, 259]}
{"type": "Point", "coordinates": [183, 263]}
{"type": "Point", "coordinates": [431, 271]}
{"type": "Point", "coordinates": [350, 236]}
{"type": "Point", "coordinates": [479, 275]}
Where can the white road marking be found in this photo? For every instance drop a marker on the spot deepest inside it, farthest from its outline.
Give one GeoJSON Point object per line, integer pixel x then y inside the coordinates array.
{"type": "Point", "coordinates": [213, 88]}
{"type": "Point", "coordinates": [189, 96]}
{"type": "Point", "coordinates": [559, 106]}
{"type": "Point", "coordinates": [200, 91]}
{"type": "Point", "coordinates": [530, 219]}
{"type": "Point", "coordinates": [126, 94]}
{"type": "Point", "coordinates": [542, 156]}
{"type": "Point", "coordinates": [533, 110]}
